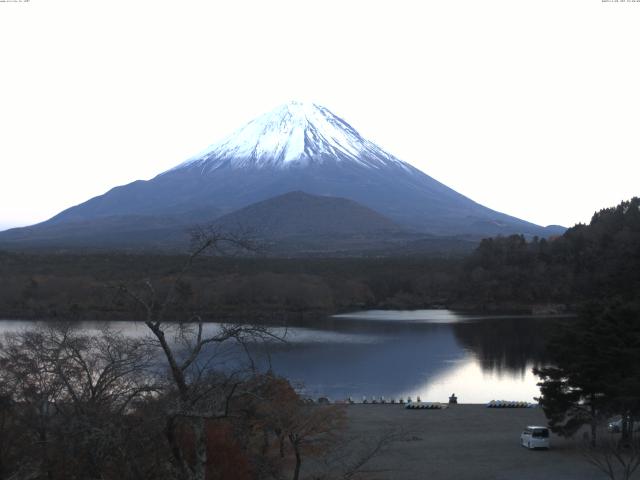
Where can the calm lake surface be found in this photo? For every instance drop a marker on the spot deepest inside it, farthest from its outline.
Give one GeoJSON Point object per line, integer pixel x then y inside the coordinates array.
{"type": "Point", "coordinates": [426, 353]}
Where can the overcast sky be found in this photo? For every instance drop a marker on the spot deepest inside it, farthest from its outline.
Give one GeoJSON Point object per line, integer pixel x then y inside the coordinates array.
{"type": "Point", "coordinates": [528, 107]}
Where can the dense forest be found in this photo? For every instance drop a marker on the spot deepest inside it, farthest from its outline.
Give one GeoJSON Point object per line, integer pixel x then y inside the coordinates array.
{"type": "Point", "coordinates": [589, 261]}
{"type": "Point", "coordinates": [504, 273]}
{"type": "Point", "coordinates": [85, 286]}
{"type": "Point", "coordinates": [593, 373]}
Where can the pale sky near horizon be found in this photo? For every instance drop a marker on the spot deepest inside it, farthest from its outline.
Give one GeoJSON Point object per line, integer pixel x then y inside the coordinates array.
{"type": "Point", "coordinates": [529, 107]}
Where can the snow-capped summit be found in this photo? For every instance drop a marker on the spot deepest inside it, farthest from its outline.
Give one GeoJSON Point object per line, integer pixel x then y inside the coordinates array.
{"type": "Point", "coordinates": [296, 133]}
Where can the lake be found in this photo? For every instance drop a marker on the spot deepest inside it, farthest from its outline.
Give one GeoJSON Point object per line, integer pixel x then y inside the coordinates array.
{"type": "Point", "coordinates": [426, 353]}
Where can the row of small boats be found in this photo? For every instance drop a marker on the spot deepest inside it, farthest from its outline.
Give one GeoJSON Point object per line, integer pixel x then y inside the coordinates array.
{"type": "Point", "coordinates": [509, 404]}
{"type": "Point", "coordinates": [373, 400]}
{"type": "Point", "coordinates": [419, 404]}
{"type": "Point", "coordinates": [426, 406]}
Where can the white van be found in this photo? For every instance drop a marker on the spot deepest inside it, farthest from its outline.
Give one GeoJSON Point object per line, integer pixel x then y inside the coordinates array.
{"type": "Point", "coordinates": [535, 437]}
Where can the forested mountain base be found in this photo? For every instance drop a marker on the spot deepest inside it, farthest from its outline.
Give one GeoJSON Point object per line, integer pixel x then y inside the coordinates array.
{"type": "Point", "coordinates": [509, 274]}
{"type": "Point", "coordinates": [83, 286]}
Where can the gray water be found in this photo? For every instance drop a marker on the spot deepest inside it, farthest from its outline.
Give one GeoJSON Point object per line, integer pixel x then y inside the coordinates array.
{"type": "Point", "coordinates": [426, 353]}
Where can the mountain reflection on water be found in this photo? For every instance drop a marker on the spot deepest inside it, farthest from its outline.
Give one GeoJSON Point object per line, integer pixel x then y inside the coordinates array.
{"type": "Point", "coordinates": [426, 353]}
{"type": "Point", "coordinates": [510, 345]}
{"type": "Point", "coordinates": [430, 353]}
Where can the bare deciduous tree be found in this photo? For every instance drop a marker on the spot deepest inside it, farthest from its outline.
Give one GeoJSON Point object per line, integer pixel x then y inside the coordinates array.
{"type": "Point", "coordinates": [200, 396]}
{"type": "Point", "coordinates": [69, 392]}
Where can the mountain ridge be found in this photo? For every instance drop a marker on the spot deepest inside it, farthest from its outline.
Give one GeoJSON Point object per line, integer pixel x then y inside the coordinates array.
{"type": "Point", "coordinates": [295, 147]}
{"type": "Point", "coordinates": [299, 213]}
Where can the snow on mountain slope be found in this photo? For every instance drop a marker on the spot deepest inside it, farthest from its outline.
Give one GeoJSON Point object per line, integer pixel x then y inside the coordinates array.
{"type": "Point", "coordinates": [296, 133]}
{"type": "Point", "coordinates": [296, 147]}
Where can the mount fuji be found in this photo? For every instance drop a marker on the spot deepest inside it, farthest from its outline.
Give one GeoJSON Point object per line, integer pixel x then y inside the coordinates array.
{"type": "Point", "coordinates": [297, 147]}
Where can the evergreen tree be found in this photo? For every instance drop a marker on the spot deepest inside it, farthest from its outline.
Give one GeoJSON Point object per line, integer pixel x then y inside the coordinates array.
{"type": "Point", "coordinates": [596, 371]}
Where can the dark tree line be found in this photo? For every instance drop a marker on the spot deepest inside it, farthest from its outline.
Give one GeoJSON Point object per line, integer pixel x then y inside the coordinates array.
{"type": "Point", "coordinates": [503, 273]}
{"type": "Point", "coordinates": [49, 286]}
{"type": "Point", "coordinates": [596, 359]}
{"type": "Point", "coordinates": [596, 261]}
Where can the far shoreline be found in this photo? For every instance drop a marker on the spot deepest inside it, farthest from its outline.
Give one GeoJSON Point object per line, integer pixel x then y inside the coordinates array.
{"type": "Point", "coordinates": [295, 317]}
